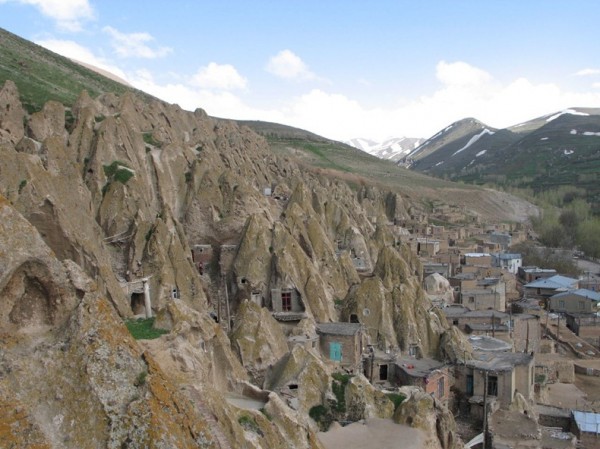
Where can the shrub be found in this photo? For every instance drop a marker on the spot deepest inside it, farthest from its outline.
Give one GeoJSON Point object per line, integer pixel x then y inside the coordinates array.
{"type": "Point", "coordinates": [396, 398]}
{"type": "Point", "coordinates": [118, 171]}
{"type": "Point", "coordinates": [143, 329]}
{"type": "Point", "coordinates": [248, 423]}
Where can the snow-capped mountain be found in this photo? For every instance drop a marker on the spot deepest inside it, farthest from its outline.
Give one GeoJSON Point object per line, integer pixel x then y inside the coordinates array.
{"type": "Point", "coordinates": [392, 149]}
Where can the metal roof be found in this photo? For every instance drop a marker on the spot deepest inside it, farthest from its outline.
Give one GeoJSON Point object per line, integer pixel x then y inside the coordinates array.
{"type": "Point", "coordinates": [583, 292]}
{"type": "Point", "coordinates": [554, 282]}
{"type": "Point", "coordinates": [587, 421]}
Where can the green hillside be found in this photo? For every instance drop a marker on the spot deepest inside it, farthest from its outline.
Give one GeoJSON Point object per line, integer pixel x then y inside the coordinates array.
{"type": "Point", "coordinates": [42, 75]}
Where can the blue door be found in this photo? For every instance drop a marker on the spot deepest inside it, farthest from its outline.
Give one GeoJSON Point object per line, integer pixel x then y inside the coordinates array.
{"type": "Point", "coordinates": [469, 385]}
{"type": "Point", "coordinates": [335, 351]}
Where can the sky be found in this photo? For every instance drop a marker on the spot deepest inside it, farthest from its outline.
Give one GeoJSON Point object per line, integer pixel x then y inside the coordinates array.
{"type": "Point", "coordinates": [341, 69]}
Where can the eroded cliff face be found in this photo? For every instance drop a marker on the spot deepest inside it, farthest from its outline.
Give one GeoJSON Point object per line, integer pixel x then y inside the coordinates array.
{"type": "Point", "coordinates": [115, 190]}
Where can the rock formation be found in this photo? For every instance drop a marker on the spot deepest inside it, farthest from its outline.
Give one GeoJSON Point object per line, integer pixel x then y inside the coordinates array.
{"type": "Point", "coordinates": [111, 195]}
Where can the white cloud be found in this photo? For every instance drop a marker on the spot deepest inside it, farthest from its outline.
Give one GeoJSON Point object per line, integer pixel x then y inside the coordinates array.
{"type": "Point", "coordinates": [216, 103]}
{"type": "Point", "coordinates": [464, 91]}
{"type": "Point", "coordinates": [596, 85]}
{"type": "Point", "coordinates": [587, 72]}
{"type": "Point", "coordinates": [134, 44]}
{"type": "Point", "coordinates": [68, 14]}
{"type": "Point", "coordinates": [79, 53]}
{"type": "Point", "coordinates": [286, 64]}
{"type": "Point", "coordinates": [219, 76]}
{"type": "Point", "coordinates": [461, 74]}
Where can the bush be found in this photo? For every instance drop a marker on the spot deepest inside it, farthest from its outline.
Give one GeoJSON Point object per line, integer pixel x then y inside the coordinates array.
{"type": "Point", "coordinates": [338, 385]}
{"type": "Point", "coordinates": [248, 423]}
{"type": "Point", "coordinates": [143, 329]}
{"type": "Point", "coordinates": [322, 416]}
{"type": "Point", "coordinates": [396, 398]}
{"type": "Point", "coordinates": [118, 171]}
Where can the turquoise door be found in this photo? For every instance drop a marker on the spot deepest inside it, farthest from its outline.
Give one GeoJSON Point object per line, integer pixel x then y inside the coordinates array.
{"type": "Point", "coordinates": [335, 351]}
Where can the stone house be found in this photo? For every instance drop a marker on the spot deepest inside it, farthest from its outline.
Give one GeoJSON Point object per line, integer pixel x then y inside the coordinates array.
{"type": "Point", "coordinates": [428, 374]}
{"type": "Point", "coordinates": [575, 301]}
{"type": "Point", "coordinates": [342, 343]}
{"type": "Point", "coordinates": [547, 287]}
{"type": "Point", "coordinates": [507, 261]}
{"type": "Point", "coordinates": [504, 239]}
{"type": "Point", "coordinates": [479, 259]}
{"type": "Point", "coordinates": [483, 299]}
{"type": "Point", "coordinates": [442, 269]}
{"type": "Point", "coordinates": [530, 273]}
{"type": "Point", "coordinates": [505, 373]}
{"type": "Point", "coordinates": [426, 247]}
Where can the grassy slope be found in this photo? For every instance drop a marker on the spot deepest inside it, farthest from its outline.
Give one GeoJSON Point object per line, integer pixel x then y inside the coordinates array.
{"type": "Point", "coordinates": [42, 75]}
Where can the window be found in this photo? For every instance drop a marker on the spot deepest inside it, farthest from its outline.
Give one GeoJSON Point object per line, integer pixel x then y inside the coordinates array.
{"type": "Point", "coordinates": [561, 304]}
{"type": "Point", "coordinates": [492, 385]}
{"type": "Point", "coordinates": [286, 301]}
{"type": "Point", "coordinates": [581, 305]}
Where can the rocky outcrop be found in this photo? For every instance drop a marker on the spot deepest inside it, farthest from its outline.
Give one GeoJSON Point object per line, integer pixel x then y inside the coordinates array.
{"type": "Point", "coordinates": [422, 411]}
{"type": "Point", "coordinates": [116, 190]}
{"type": "Point", "coordinates": [364, 401]}
{"type": "Point", "coordinates": [71, 372]}
{"type": "Point", "coordinates": [258, 339]}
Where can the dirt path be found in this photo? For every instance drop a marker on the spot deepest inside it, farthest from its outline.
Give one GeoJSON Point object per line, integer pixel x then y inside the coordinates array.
{"type": "Point", "coordinates": [375, 433]}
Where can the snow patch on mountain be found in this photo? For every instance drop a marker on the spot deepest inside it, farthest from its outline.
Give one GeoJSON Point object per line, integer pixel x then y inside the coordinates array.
{"type": "Point", "coordinates": [566, 111]}
{"type": "Point", "coordinates": [392, 149]}
{"type": "Point", "coordinates": [481, 153]}
{"type": "Point", "coordinates": [474, 139]}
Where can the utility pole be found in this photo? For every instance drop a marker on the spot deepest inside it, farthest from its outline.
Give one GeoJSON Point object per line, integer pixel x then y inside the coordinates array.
{"type": "Point", "coordinates": [485, 423]}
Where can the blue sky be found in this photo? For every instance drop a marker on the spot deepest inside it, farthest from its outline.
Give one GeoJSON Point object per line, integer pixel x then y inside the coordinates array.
{"type": "Point", "coordinates": [342, 69]}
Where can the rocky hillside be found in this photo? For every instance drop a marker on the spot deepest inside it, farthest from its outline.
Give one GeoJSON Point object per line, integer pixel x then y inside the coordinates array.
{"type": "Point", "coordinates": [111, 195]}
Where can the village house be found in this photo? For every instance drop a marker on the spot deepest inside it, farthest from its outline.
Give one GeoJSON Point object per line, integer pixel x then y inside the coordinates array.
{"type": "Point", "coordinates": [443, 269]}
{"type": "Point", "coordinates": [342, 343]}
{"type": "Point", "coordinates": [530, 274]}
{"type": "Point", "coordinates": [504, 239]}
{"type": "Point", "coordinates": [488, 294]}
{"type": "Point", "coordinates": [547, 287]}
{"type": "Point", "coordinates": [428, 374]}
{"type": "Point", "coordinates": [479, 259]}
{"type": "Point", "coordinates": [507, 261]}
{"type": "Point", "coordinates": [575, 301]}
{"type": "Point", "coordinates": [505, 373]}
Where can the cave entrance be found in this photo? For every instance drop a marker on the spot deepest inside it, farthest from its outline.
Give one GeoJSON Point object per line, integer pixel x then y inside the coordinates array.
{"type": "Point", "coordinates": [138, 306]}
